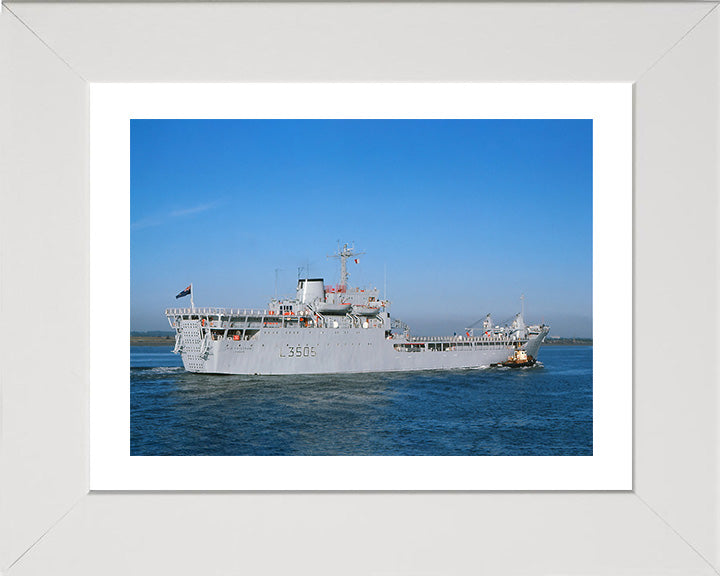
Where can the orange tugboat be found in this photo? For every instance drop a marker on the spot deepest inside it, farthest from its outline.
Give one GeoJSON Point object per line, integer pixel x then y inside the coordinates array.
{"type": "Point", "coordinates": [519, 359]}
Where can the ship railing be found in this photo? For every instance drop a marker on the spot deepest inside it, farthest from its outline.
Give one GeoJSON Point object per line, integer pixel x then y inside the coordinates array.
{"type": "Point", "coordinates": [217, 312]}
{"type": "Point", "coordinates": [462, 338]}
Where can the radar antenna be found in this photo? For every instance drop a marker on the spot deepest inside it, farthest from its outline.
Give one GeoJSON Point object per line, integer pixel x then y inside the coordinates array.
{"type": "Point", "coordinates": [344, 253]}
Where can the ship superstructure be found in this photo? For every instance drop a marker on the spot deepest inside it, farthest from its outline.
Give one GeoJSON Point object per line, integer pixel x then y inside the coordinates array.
{"type": "Point", "coordinates": [334, 329]}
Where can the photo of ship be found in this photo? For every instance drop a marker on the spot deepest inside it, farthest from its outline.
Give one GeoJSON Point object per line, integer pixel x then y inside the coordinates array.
{"type": "Point", "coordinates": [433, 287]}
{"type": "Point", "coordinates": [337, 329]}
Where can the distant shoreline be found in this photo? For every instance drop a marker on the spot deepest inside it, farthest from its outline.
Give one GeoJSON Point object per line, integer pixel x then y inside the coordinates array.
{"type": "Point", "coordinates": [569, 342]}
{"type": "Point", "coordinates": [152, 340]}
{"type": "Point", "coordinates": [170, 341]}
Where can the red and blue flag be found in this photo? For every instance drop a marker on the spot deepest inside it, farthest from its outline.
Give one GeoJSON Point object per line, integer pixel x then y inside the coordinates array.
{"type": "Point", "coordinates": [184, 292]}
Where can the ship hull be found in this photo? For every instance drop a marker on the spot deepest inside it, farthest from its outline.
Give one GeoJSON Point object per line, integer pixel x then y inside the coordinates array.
{"type": "Point", "coordinates": [328, 351]}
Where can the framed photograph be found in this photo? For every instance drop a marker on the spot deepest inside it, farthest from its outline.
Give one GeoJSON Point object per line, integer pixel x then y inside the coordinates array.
{"type": "Point", "coordinates": [573, 145]}
{"type": "Point", "coordinates": [67, 254]}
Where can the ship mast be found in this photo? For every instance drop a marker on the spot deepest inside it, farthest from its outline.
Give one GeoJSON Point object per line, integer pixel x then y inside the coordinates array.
{"type": "Point", "coordinates": [344, 253]}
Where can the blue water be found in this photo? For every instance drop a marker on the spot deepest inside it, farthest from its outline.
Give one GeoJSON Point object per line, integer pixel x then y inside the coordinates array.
{"type": "Point", "coordinates": [543, 410]}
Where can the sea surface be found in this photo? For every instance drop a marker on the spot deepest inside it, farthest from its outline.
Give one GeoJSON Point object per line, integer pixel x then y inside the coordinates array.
{"type": "Point", "coordinates": [543, 410]}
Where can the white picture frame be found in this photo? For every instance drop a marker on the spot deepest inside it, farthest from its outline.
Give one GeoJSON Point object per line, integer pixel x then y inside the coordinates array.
{"type": "Point", "coordinates": [667, 525]}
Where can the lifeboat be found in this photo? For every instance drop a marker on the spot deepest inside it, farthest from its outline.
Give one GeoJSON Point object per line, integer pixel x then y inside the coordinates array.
{"type": "Point", "coordinates": [333, 309]}
{"type": "Point", "coordinates": [365, 309]}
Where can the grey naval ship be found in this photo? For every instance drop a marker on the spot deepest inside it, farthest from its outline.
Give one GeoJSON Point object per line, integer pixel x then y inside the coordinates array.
{"type": "Point", "coordinates": [334, 329]}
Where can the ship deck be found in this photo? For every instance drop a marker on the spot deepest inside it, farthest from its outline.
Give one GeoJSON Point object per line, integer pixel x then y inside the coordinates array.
{"type": "Point", "coordinates": [221, 321]}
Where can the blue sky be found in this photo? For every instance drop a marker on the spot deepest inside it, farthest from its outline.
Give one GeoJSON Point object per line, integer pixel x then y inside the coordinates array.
{"type": "Point", "coordinates": [466, 215]}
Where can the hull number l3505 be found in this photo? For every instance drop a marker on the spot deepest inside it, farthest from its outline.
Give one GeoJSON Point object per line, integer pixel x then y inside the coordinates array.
{"type": "Point", "coordinates": [298, 352]}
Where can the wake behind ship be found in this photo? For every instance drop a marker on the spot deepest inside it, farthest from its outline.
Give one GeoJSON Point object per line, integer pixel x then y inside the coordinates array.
{"type": "Point", "coordinates": [336, 329]}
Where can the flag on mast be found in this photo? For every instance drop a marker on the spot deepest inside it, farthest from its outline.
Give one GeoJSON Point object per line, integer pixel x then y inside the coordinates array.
{"type": "Point", "coordinates": [185, 292]}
